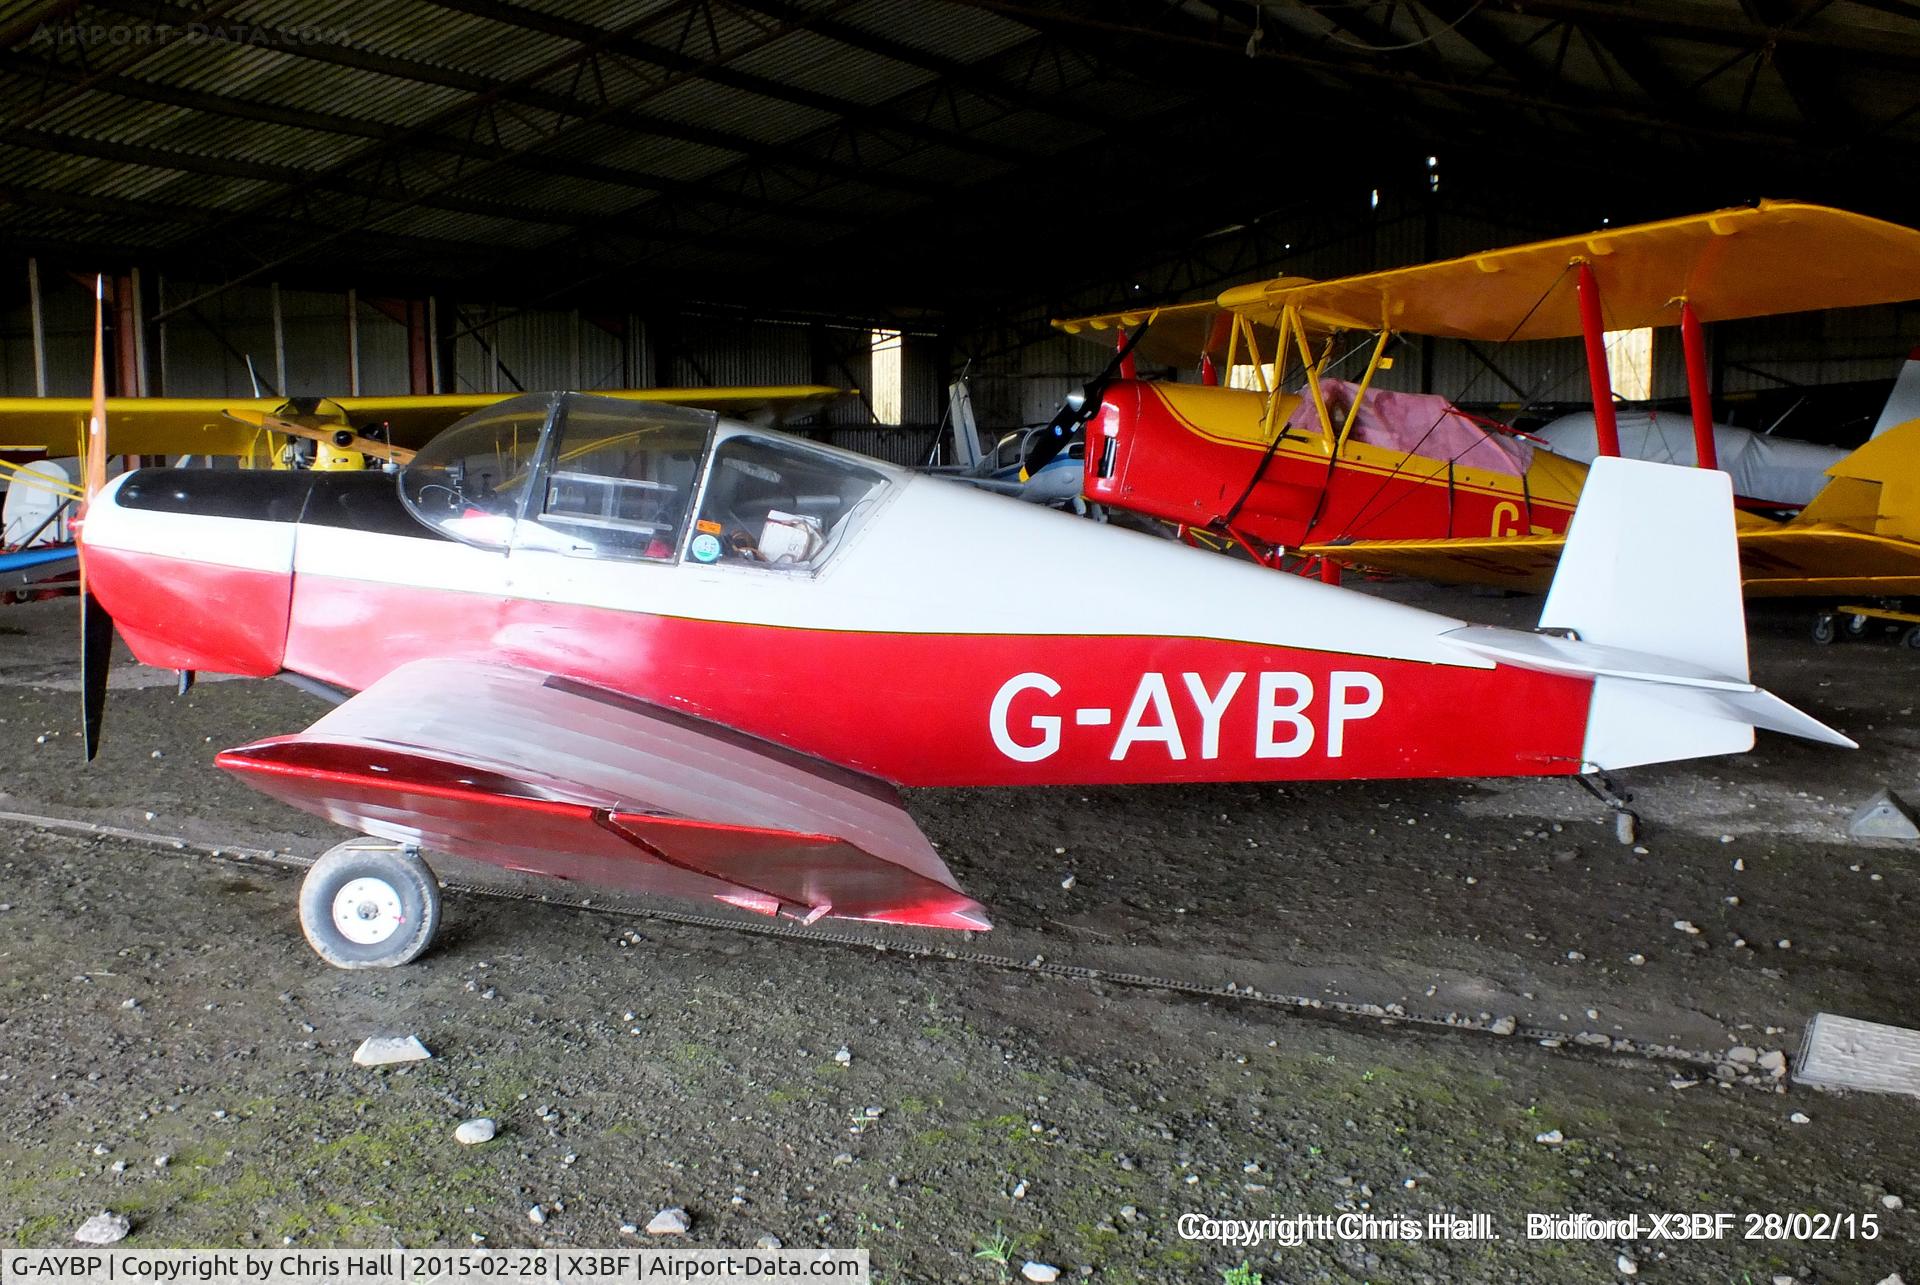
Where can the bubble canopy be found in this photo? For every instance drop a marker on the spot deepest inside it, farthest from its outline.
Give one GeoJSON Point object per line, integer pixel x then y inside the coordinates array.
{"type": "Point", "coordinates": [591, 476]}
{"type": "Point", "coordinates": [569, 471]}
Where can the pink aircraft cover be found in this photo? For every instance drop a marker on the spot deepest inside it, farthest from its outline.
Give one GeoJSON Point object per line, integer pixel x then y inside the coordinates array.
{"type": "Point", "coordinates": [1416, 423]}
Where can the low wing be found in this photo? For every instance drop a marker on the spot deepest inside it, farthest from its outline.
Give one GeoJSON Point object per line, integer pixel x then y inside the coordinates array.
{"type": "Point", "coordinates": [1776, 257]}
{"type": "Point", "coordinates": [1777, 560]}
{"type": "Point", "coordinates": [202, 425]}
{"type": "Point", "coordinates": [537, 773]}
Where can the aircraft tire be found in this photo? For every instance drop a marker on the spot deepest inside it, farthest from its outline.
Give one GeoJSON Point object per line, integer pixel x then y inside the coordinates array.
{"type": "Point", "coordinates": [368, 906]}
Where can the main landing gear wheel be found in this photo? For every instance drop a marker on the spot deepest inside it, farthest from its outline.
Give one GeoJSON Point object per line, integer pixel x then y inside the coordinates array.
{"type": "Point", "coordinates": [367, 904]}
{"type": "Point", "coordinates": [1825, 628]}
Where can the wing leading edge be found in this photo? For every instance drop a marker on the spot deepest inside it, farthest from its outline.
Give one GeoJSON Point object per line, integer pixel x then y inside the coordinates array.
{"type": "Point", "coordinates": [532, 772]}
{"type": "Point", "coordinates": [1777, 560]}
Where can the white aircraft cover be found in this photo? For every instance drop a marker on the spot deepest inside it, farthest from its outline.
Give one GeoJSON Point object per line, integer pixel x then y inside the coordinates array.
{"type": "Point", "coordinates": [1774, 470]}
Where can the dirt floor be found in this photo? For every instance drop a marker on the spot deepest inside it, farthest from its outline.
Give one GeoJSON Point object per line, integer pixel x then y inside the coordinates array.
{"type": "Point", "coordinates": [157, 1002]}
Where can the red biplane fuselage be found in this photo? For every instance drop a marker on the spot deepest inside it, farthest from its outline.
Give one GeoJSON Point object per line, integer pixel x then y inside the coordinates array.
{"type": "Point", "coordinates": [1202, 457]}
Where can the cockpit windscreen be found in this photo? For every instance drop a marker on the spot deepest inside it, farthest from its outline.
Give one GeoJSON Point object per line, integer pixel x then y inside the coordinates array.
{"type": "Point", "coordinates": [470, 481]}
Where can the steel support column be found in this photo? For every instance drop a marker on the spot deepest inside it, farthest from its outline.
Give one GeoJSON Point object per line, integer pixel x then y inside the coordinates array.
{"type": "Point", "coordinates": [419, 349]}
{"type": "Point", "coordinates": [126, 327]}
{"type": "Point", "coordinates": [39, 329]}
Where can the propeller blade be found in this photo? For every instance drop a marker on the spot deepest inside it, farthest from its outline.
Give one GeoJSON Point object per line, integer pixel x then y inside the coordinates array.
{"type": "Point", "coordinates": [96, 654]}
{"type": "Point", "coordinates": [96, 626]}
{"type": "Point", "coordinates": [1042, 446]}
{"type": "Point", "coordinates": [95, 471]}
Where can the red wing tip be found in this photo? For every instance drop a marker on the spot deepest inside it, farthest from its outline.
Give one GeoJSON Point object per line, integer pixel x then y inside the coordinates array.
{"type": "Point", "coordinates": [966, 916]}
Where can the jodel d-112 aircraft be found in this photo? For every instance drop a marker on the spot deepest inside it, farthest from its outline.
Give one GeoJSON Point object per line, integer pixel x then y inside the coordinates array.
{"type": "Point", "coordinates": [645, 647]}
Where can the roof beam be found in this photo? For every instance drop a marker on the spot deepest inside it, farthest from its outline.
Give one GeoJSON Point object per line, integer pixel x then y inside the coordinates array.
{"type": "Point", "coordinates": [949, 70]}
{"type": "Point", "coordinates": [675, 60]}
{"type": "Point", "coordinates": [1241, 74]}
{"type": "Point", "coordinates": [1710, 25]}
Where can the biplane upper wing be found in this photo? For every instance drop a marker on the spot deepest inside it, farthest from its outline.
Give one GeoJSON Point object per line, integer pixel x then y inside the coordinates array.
{"type": "Point", "coordinates": [203, 426]}
{"type": "Point", "coordinates": [532, 772]}
{"type": "Point", "coordinates": [1770, 258]}
{"type": "Point", "coordinates": [1177, 334]}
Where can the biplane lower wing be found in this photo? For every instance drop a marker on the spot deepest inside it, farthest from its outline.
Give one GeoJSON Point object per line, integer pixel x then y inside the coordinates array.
{"type": "Point", "coordinates": [1825, 560]}
{"type": "Point", "coordinates": [1523, 562]}
{"type": "Point", "coordinates": [536, 773]}
{"type": "Point", "coordinates": [1777, 560]}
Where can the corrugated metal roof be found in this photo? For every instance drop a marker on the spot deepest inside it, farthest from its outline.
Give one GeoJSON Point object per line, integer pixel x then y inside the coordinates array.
{"type": "Point", "coordinates": [492, 139]}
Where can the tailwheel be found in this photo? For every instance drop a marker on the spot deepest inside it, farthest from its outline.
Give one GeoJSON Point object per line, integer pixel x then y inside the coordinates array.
{"type": "Point", "coordinates": [1825, 628]}
{"type": "Point", "coordinates": [369, 904]}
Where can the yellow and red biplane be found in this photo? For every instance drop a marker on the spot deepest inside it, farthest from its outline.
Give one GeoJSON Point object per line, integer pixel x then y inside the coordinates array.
{"type": "Point", "coordinates": [1305, 473]}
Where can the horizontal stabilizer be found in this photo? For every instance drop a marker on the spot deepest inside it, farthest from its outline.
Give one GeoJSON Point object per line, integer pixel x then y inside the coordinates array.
{"type": "Point", "coordinates": [1646, 604]}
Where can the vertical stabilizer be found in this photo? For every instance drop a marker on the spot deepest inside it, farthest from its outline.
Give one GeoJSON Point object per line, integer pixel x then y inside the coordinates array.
{"type": "Point", "coordinates": [1652, 565]}
{"type": "Point", "coordinates": [1903, 403]}
{"type": "Point", "coordinates": [967, 450]}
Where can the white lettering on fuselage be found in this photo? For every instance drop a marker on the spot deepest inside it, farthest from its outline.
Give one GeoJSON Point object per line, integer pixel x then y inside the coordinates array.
{"type": "Point", "coordinates": [1284, 716]}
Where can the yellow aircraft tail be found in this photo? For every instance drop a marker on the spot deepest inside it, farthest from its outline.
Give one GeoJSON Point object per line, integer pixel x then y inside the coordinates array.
{"type": "Point", "coordinates": [1876, 489]}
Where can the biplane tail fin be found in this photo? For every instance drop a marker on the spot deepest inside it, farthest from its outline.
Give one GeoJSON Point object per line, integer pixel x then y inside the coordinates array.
{"type": "Point", "coordinates": [1649, 589]}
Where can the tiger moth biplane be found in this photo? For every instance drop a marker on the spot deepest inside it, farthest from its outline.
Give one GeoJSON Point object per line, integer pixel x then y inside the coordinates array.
{"type": "Point", "coordinates": [664, 652]}
{"type": "Point", "coordinates": [1343, 473]}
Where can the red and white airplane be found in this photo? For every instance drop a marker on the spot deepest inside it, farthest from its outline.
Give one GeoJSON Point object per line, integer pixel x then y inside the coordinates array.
{"type": "Point", "coordinates": [649, 648]}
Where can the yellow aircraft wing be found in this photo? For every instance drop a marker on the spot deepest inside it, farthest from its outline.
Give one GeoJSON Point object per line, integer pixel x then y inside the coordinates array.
{"type": "Point", "coordinates": [1775, 257]}
{"type": "Point", "coordinates": [1522, 562]}
{"type": "Point", "coordinates": [1823, 560]}
{"type": "Point", "coordinates": [1777, 560]}
{"type": "Point", "coordinates": [1177, 334]}
{"type": "Point", "coordinates": [202, 426]}
{"type": "Point", "coordinates": [414, 420]}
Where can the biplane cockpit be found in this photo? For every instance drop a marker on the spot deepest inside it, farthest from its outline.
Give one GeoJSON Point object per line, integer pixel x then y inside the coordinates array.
{"type": "Point", "coordinates": [601, 477]}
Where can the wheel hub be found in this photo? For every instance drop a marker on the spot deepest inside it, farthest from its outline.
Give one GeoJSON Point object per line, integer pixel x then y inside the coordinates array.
{"type": "Point", "coordinates": [367, 911]}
